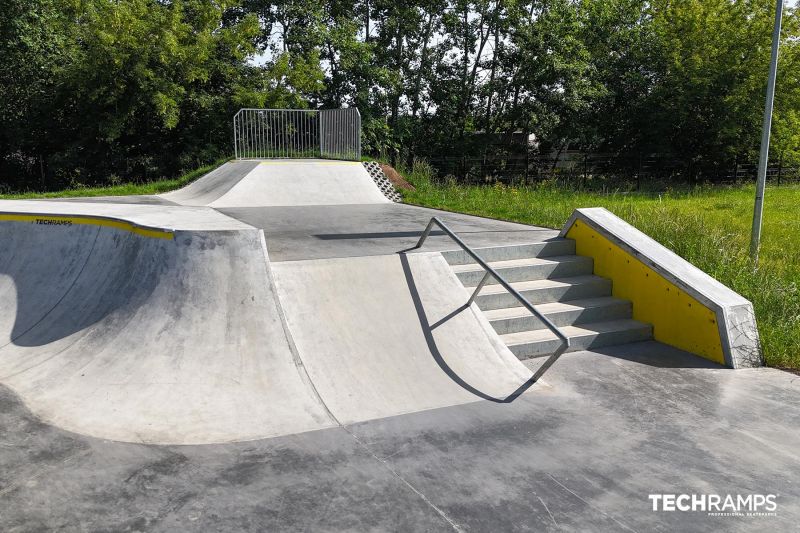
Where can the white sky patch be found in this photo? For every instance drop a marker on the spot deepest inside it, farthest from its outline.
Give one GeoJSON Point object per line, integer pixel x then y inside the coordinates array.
{"type": "Point", "coordinates": [266, 56]}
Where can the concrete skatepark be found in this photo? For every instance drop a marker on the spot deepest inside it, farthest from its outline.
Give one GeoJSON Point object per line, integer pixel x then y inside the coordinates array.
{"type": "Point", "coordinates": [265, 349]}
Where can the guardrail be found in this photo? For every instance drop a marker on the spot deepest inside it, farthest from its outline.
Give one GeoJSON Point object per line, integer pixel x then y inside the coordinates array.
{"type": "Point", "coordinates": [297, 133]}
{"type": "Point", "coordinates": [491, 273]}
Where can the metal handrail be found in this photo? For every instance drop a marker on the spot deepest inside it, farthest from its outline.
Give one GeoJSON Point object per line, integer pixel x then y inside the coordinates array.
{"type": "Point", "coordinates": [507, 286]}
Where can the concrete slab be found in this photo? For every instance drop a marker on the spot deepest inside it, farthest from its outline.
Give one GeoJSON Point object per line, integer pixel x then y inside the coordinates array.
{"type": "Point", "coordinates": [581, 455]}
{"type": "Point", "coordinates": [303, 182]}
{"type": "Point", "coordinates": [317, 232]}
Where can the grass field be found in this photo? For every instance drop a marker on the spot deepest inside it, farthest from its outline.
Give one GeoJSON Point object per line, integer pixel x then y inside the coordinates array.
{"type": "Point", "coordinates": [710, 227]}
{"type": "Point", "coordinates": [123, 189]}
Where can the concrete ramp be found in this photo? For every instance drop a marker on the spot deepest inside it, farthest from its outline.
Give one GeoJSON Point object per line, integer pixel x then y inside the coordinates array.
{"type": "Point", "coordinates": [178, 336]}
{"type": "Point", "coordinates": [122, 336]}
{"type": "Point", "coordinates": [213, 185]}
{"type": "Point", "coordinates": [162, 324]}
{"type": "Point", "coordinates": [282, 183]}
{"type": "Point", "coordinates": [386, 335]}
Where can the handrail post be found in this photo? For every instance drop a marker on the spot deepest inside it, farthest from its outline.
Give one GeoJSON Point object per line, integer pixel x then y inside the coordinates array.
{"type": "Point", "coordinates": [483, 281]}
{"type": "Point", "coordinates": [490, 272]}
{"type": "Point", "coordinates": [425, 233]}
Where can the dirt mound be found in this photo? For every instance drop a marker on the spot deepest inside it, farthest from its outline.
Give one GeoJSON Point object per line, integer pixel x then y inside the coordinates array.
{"type": "Point", "coordinates": [397, 180]}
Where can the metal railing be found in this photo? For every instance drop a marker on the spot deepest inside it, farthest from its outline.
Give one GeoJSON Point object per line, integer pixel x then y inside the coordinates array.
{"type": "Point", "coordinates": [491, 273]}
{"type": "Point", "coordinates": [340, 133]}
{"type": "Point", "coordinates": [297, 133]}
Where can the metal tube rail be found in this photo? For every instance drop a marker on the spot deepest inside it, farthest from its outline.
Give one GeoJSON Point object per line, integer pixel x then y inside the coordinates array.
{"type": "Point", "coordinates": [491, 272]}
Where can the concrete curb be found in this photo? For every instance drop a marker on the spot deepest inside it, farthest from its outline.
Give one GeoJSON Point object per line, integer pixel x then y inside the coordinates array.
{"type": "Point", "coordinates": [735, 318]}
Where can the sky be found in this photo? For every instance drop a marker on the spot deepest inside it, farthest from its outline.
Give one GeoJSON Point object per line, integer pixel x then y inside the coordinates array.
{"type": "Point", "coordinates": [265, 56]}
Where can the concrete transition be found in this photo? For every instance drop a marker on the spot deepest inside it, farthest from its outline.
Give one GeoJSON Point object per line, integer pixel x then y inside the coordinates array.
{"type": "Point", "coordinates": [282, 183]}
{"type": "Point", "coordinates": [273, 315]}
{"type": "Point", "coordinates": [130, 337]}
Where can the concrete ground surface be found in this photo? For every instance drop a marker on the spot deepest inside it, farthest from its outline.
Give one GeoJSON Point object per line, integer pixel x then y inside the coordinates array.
{"type": "Point", "coordinates": [579, 455]}
{"type": "Point", "coordinates": [278, 365]}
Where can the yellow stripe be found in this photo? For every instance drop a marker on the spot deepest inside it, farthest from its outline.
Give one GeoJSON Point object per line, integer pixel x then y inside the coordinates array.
{"type": "Point", "coordinates": [92, 221]}
{"type": "Point", "coordinates": [678, 319]}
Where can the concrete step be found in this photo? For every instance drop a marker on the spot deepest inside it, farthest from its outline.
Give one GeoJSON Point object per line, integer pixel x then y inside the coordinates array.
{"type": "Point", "coordinates": [549, 248]}
{"type": "Point", "coordinates": [569, 313]}
{"type": "Point", "coordinates": [543, 342]}
{"type": "Point", "coordinates": [544, 291]}
{"type": "Point", "coordinates": [527, 269]}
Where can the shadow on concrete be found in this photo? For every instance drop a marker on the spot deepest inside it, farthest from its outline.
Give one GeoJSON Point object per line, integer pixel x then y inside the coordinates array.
{"type": "Point", "coordinates": [378, 235]}
{"type": "Point", "coordinates": [656, 354]}
{"type": "Point", "coordinates": [61, 289]}
{"type": "Point", "coordinates": [401, 234]}
{"type": "Point", "coordinates": [427, 329]}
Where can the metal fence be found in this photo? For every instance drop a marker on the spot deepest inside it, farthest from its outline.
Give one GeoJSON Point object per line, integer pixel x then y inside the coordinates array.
{"type": "Point", "coordinates": [297, 133]}
{"type": "Point", "coordinates": [340, 133]}
{"type": "Point", "coordinates": [597, 171]}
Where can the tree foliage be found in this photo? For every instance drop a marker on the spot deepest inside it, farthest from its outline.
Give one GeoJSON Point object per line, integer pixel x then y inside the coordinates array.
{"type": "Point", "coordinates": [91, 89]}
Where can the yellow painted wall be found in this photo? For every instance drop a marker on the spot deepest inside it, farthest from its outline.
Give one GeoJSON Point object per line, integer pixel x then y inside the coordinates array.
{"type": "Point", "coordinates": [677, 318]}
{"type": "Point", "coordinates": [68, 221]}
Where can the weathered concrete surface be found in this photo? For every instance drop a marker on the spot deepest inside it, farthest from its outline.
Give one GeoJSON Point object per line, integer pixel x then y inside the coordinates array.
{"type": "Point", "coordinates": [385, 335]}
{"type": "Point", "coordinates": [317, 232]}
{"type": "Point", "coordinates": [303, 182]}
{"type": "Point", "coordinates": [581, 455]}
{"type": "Point", "coordinates": [111, 334]}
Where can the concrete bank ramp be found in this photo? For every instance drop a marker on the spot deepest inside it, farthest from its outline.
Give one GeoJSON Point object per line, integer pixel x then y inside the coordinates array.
{"type": "Point", "coordinates": [167, 339]}
{"type": "Point", "coordinates": [287, 182]}
{"type": "Point", "coordinates": [386, 335]}
{"type": "Point", "coordinates": [211, 186]}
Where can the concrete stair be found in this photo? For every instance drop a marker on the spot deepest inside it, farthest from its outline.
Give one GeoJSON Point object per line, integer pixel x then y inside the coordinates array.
{"type": "Point", "coordinates": [561, 286]}
{"type": "Point", "coordinates": [560, 266]}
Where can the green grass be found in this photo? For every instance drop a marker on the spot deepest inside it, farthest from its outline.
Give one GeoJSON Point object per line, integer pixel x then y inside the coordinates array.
{"type": "Point", "coordinates": [122, 189]}
{"type": "Point", "coordinates": [710, 227]}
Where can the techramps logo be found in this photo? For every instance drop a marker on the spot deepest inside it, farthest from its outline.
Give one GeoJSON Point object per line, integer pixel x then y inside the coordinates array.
{"type": "Point", "coordinates": [722, 505]}
{"type": "Point", "coordinates": [53, 221]}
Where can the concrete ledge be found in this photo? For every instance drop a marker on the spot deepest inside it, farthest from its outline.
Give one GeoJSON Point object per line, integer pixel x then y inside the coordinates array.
{"type": "Point", "coordinates": [146, 220]}
{"type": "Point", "coordinates": [687, 308]}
